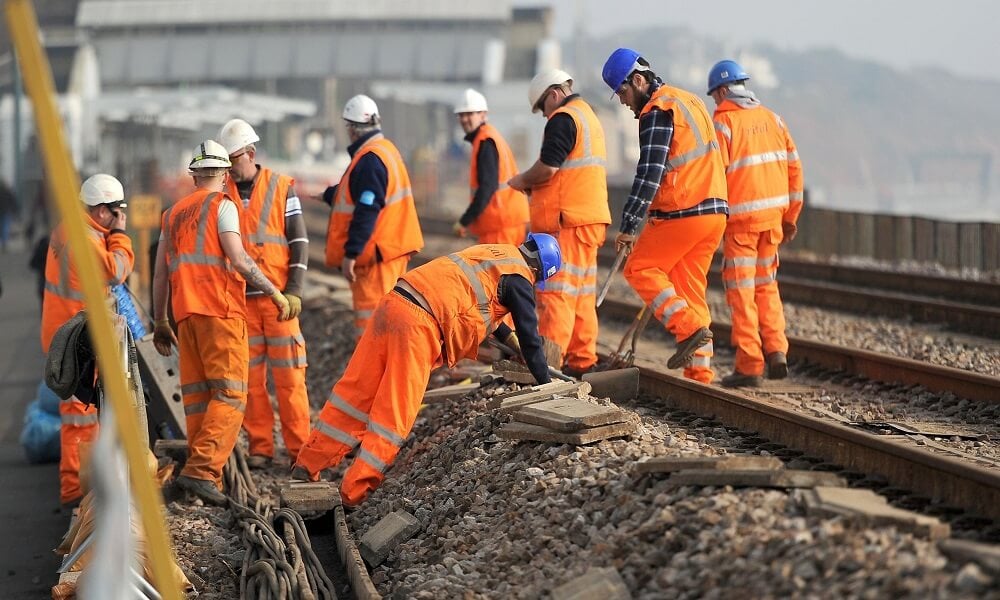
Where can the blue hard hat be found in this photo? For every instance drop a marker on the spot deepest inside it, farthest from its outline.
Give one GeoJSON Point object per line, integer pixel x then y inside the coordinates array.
{"type": "Point", "coordinates": [618, 67]}
{"type": "Point", "coordinates": [549, 253]}
{"type": "Point", "coordinates": [725, 71]}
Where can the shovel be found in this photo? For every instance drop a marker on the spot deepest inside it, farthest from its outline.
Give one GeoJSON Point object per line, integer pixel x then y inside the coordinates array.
{"type": "Point", "coordinates": [623, 358]}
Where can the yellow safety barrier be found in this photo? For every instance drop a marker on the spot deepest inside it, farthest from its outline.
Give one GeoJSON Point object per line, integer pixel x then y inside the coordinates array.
{"type": "Point", "coordinates": [22, 25]}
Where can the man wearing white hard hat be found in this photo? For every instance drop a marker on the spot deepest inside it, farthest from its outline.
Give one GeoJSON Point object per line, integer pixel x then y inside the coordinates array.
{"type": "Point", "coordinates": [569, 199]}
{"type": "Point", "coordinates": [199, 263]}
{"type": "Point", "coordinates": [274, 235]}
{"type": "Point", "coordinates": [497, 213]}
{"type": "Point", "coordinates": [373, 230]}
{"type": "Point", "coordinates": [103, 199]}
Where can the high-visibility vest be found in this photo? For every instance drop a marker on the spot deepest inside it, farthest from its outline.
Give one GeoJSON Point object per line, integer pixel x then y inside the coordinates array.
{"type": "Point", "coordinates": [63, 295]}
{"type": "Point", "coordinates": [397, 230]}
{"type": "Point", "coordinates": [694, 170]}
{"type": "Point", "coordinates": [507, 207]}
{"type": "Point", "coordinates": [202, 280]}
{"type": "Point", "coordinates": [262, 223]}
{"type": "Point", "coordinates": [762, 167]}
{"type": "Point", "coordinates": [578, 192]}
{"type": "Point", "coordinates": [461, 291]}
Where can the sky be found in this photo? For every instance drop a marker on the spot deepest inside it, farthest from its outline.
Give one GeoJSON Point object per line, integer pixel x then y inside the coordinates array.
{"type": "Point", "coordinates": [959, 35]}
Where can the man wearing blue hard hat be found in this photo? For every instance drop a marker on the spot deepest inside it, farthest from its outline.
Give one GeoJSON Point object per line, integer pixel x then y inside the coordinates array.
{"type": "Point", "coordinates": [680, 186]}
{"type": "Point", "coordinates": [438, 313]}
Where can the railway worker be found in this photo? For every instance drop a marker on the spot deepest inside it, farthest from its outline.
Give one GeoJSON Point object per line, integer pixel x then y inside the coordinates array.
{"type": "Point", "coordinates": [274, 235]}
{"type": "Point", "coordinates": [680, 186]}
{"type": "Point", "coordinates": [373, 228]}
{"type": "Point", "coordinates": [765, 198]}
{"type": "Point", "coordinates": [437, 313]}
{"type": "Point", "coordinates": [569, 200]}
{"type": "Point", "coordinates": [103, 198]}
{"type": "Point", "coordinates": [199, 263]}
{"type": "Point", "coordinates": [497, 213]}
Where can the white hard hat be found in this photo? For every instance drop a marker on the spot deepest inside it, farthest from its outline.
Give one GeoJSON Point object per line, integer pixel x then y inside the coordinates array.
{"type": "Point", "coordinates": [361, 109]}
{"type": "Point", "coordinates": [208, 155]}
{"type": "Point", "coordinates": [101, 189]}
{"type": "Point", "coordinates": [236, 135]}
{"type": "Point", "coordinates": [544, 81]}
{"type": "Point", "coordinates": [470, 101]}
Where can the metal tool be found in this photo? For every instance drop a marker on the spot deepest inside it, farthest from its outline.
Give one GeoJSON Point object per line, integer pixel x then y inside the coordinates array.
{"type": "Point", "coordinates": [623, 358]}
{"type": "Point", "coordinates": [619, 259]}
{"type": "Point", "coordinates": [510, 352]}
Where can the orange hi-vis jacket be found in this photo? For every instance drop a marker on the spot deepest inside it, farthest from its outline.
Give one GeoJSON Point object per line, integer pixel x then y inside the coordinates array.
{"type": "Point", "coordinates": [578, 193]}
{"type": "Point", "coordinates": [461, 291]}
{"type": "Point", "coordinates": [694, 172]}
{"type": "Point", "coordinates": [508, 207]}
{"type": "Point", "coordinates": [63, 296]}
{"type": "Point", "coordinates": [202, 280]}
{"type": "Point", "coordinates": [397, 230]}
{"type": "Point", "coordinates": [263, 223]}
{"type": "Point", "coordinates": [762, 167]}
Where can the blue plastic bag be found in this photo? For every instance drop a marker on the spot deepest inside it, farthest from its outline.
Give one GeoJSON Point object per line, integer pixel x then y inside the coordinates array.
{"type": "Point", "coordinates": [40, 436]}
{"type": "Point", "coordinates": [127, 309]}
{"type": "Point", "coordinates": [47, 399]}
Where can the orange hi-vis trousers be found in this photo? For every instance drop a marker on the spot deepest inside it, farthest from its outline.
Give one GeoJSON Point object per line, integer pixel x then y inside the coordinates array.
{"type": "Point", "coordinates": [371, 283]}
{"type": "Point", "coordinates": [375, 403]}
{"type": "Point", "coordinates": [567, 301]}
{"type": "Point", "coordinates": [79, 426]}
{"type": "Point", "coordinates": [749, 274]}
{"type": "Point", "coordinates": [668, 268]}
{"type": "Point", "coordinates": [213, 363]}
{"type": "Point", "coordinates": [513, 235]}
{"type": "Point", "coordinates": [280, 346]}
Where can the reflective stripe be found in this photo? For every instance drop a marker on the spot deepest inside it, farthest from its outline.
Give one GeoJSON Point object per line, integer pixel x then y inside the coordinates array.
{"type": "Point", "coordinates": [482, 301]}
{"type": "Point", "coordinates": [757, 159]}
{"type": "Point", "coordinates": [398, 196]}
{"type": "Point", "coordinates": [214, 384]}
{"type": "Point", "coordinates": [662, 298]}
{"type": "Point", "coordinates": [793, 156]}
{"type": "Point", "coordinates": [256, 339]}
{"type": "Point", "coordinates": [669, 312]}
{"type": "Point", "coordinates": [578, 270]}
{"type": "Point", "coordinates": [198, 257]}
{"type": "Point", "coordinates": [588, 159]}
{"type": "Point", "coordinates": [795, 196]}
{"type": "Point", "coordinates": [749, 261]}
{"type": "Point", "coordinates": [373, 461]}
{"type": "Point", "coordinates": [80, 420]}
{"type": "Point", "coordinates": [200, 407]}
{"type": "Point", "coordinates": [682, 159]}
{"type": "Point", "coordinates": [121, 269]}
{"type": "Point", "coordinates": [767, 261]}
{"type": "Point", "coordinates": [749, 282]}
{"type": "Point", "coordinates": [570, 290]}
{"type": "Point", "coordinates": [285, 340]}
{"type": "Point", "coordinates": [340, 404]}
{"type": "Point", "coordinates": [69, 294]}
{"type": "Point", "coordinates": [257, 360]}
{"type": "Point", "coordinates": [387, 434]}
{"type": "Point", "coordinates": [724, 130]}
{"type": "Point", "coordinates": [755, 205]}
{"type": "Point", "coordinates": [700, 361]}
{"type": "Point", "coordinates": [337, 435]}
{"type": "Point", "coordinates": [343, 208]}
{"type": "Point", "coordinates": [259, 235]}
{"type": "Point", "coordinates": [362, 314]}
{"type": "Point", "coordinates": [287, 363]}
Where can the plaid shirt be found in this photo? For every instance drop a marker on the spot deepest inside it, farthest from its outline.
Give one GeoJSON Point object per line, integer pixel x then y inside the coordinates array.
{"type": "Point", "coordinates": [656, 132]}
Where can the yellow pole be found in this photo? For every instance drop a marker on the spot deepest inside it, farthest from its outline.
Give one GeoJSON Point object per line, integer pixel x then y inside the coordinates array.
{"type": "Point", "coordinates": [23, 28]}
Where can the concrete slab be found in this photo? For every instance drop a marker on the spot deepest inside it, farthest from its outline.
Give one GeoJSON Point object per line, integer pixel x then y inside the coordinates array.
{"type": "Point", "coordinates": [392, 530]}
{"type": "Point", "coordinates": [986, 556]}
{"type": "Point", "coordinates": [361, 584]}
{"type": "Point", "coordinates": [508, 405]}
{"type": "Point", "coordinates": [596, 584]}
{"type": "Point", "coordinates": [671, 464]}
{"type": "Point", "coordinates": [570, 414]}
{"type": "Point", "coordinates": [310, 496]}
{"type": "Point", "coordinates": [524, 431]}
{"type": "Point", "coordinates": [619, 385]}
{"type": "Point", "coordinates": [872, 510]}
{"type": "Point", "coordinates": [176, 450]}
{"type": "Point", "coordinates": [449, 392]}
{"type": "Point", "coordinates": [750, 478]}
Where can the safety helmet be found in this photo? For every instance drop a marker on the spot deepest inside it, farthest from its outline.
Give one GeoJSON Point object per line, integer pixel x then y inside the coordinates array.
{"type": "Point", "coordinates": [102, 189]}
{"type": "Point", "coordinates": [470, 101]}
{"type": "Point", "coordinates": [236, 135]}
{"type": "Point", "coordinates": [361, 110]}
{"type": "Point", "coordinates": [543, 81]}
{"type": "Point", "coordinates": [208, 155]}
{"type": "Point", "coordinates": [546, 249]}
{"type": "Point", "coordinates": [619, 66]}
{"type": "Point", "coordinates": [725, 71]}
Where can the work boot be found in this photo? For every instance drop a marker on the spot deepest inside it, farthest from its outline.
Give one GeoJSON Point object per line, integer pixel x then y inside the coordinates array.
{"type": "Point", "coordinates": [688, 346]}
{"type": "Point", "coordinates": [576, 373]}
{"type": "Point", "coordinates": [258, 461]}
{"type": "Point", "coordinates": [737, 379]}
{"type": "Point", "coordinates": [301, 474]}
{"type": "Point", "coordinates": [777, 365]}
{"type": "Point", "coordinates": [203, 489]}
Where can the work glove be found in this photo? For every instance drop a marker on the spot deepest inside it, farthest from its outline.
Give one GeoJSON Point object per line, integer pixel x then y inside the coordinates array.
{"type": "Point", "coordinates": [789, 230]}
{"type": "Point", "coordinates": [163, 337]}
{"type": "Point", "coordinates": [282, 303]}
{"type": "Point", "coordinates": [514, 344]}
{"type": "Point", "coordinates": [294, 305]}
{"type": "Point", "coordinates": [458, 229]}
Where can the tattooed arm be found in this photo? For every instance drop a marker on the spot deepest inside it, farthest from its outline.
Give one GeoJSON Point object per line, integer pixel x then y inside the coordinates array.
{"type": "Point", "coordinates": [232, 245]}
